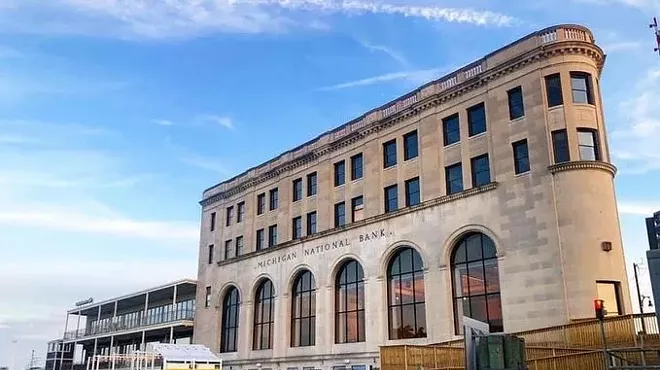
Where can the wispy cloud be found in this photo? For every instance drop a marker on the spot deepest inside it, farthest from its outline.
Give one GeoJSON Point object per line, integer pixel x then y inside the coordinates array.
{"type": "Point", "coordinates": [414, 77]}
{"type": "Point", "coordinates": [649, 6]}
{"type": "Point", "coordinates": [163, 122]}
{"type": "Point", "coordinates": [615, 47]}
{"type": "Point", "coordinates": [646, 208]}
{"type": "Point", "coordinates": [157, 19]}
{"type": "Point", "coordinates": [222, 121]}
{"type": "Point", "coordinates": [395, 55]}
{"type": "Point", "coordinates": [206, 163]}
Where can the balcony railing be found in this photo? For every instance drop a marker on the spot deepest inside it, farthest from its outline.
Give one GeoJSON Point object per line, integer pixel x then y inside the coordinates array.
{"type": "Point", "coordinates": [132, 321]}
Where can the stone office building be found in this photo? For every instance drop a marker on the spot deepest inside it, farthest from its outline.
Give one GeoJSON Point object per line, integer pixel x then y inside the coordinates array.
{"type": "Point", "coordinates": [487, 193]}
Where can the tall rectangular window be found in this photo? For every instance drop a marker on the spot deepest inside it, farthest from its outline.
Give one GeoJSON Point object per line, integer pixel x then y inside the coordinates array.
{"type": "Point", "coordinates": [272, 236]}
{"type": "Point", "coordinates": [296, 228]}
{"type": "Point", "coordinates": [389, 154]}
{"type": "Point", "coordinates": [357, 209]}
{"type": "Point", "coordinates": [239, 246]}
{"type": "Point", "coordinates": [212, 221]}
{"type": "Point", "coordinates": [581, 88]}
{"type": "Point", "coordinates": [340, 173]}
{"type": "Point", "coordinates": [311, 223]}
{"type": "Point", "coordinates": [240, 214]}
{"type": "Point", "coordinates": [297, 190]}
{"type": "Point", "coordinates": [211, 247]}
{"type": "Point", "coordinates": [553, 90]}
{"type": "Point", "coordinates": [476, 119]}
{"type": "Point", "coordinates": [391, 199]}
{"type": "Point", "coordinates": [480, 171]}
{"type": "Point", "coordinates": [560, 146]}
{"type": "Point", "coordinates": [516, 104]}
{"type": "Point", "coordinates": [451, 129]}
{"type": "Point", "coordinates": [230, 215]}
{"type": "Point", "coordinates": [340, 214]}
{"type": "Point", "coordinates": [228, 249]}
{"type": "Point", "coordinates": [207, 297]}
{"type": "Point", "coordinates": [274, 199]}
{"type": "Point", "coordinates": [412, 192]}
{"type": "Point", "coordinates": [356, 167]}
{"type": "Point", "coordinates": [260, 239]}
{"type": "Point", "coordinates": [261, 203]}
{"type": "Point", "coordinates": [588, 144]}
{"type": "Point", "coordinates": [311, 184]}
{"type": "Point", "coordinates": [454, 178]}
{"type": "Point", "coordinates": [609, 292]}
{"type": "Point", "coordinates": [521, 156]}
{"type": "Point", "coordinates": [410, 146]}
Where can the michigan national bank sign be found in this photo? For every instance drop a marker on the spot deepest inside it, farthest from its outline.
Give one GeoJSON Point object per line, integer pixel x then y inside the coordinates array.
{"type": "Point", "coordinates": [322, 248]}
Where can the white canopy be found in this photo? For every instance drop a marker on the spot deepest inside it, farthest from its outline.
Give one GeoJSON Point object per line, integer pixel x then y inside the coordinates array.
{"type": "Point", "coordinates": [185, 353]}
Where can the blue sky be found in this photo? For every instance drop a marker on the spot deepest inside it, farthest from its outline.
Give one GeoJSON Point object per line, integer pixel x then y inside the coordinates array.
{"type": "Point", "coordinates": [116, 114]}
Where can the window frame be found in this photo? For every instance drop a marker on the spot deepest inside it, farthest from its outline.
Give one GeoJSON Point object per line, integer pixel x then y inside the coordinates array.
{"type": "Point", "coordinates": [386, 196]}
{"type": "Point", "coordinates": [475, 173]}
{"type": "Point", "coordinates": [229, 215]}
{"type": "Point", "coordinates": [449, 181]}
{"type": "Point", "coordinates": [410, 147]}
{"type": "Point", "coordinates": [261, 203]}
{"type": "Point", "coordinates": [211, 254]}
{"type": "Point", "coordinates": [272, 236]}
{"type": "Point", "coordinates": [239, 246]}
{"type": "Point", "coordinates": [407, 184]}
{"type": "Point", "coordinates": [260, 240]}
{"type": "Point", "coordinates": [308, 224]}
{"type": "Point", "coordinates": [554, 93]}
{"type": "Point", "coordinates": [516, 158]}
{"type": "Point", "coordinates": [231, 304]}
{"type": "Point", "coordinates": [446, 131]}
{"type": "Point", "coordinates": [340, 214]}
{"type": "Point", "coordinates": [207, 297]}
{"type": "Point", "coordinates": [340, 173]}
{"type": "Point", "coordinates": [273, 199]}
{"type": "Point", "coordinates": [212, 221]}
{"type": "Point", "coordinates": [589, 91]}
{"type": "Point", "coordinates": [357, 167]}
{"type": "Point", "coordinates": [240, 212]}
{"type": "Point", "coordinates": [312, 184]}
{"type": "Point", "coordinates": [472, 129]}
{"type": "Point", "coordinates": [393, 303]}
{"type": "Point", "coordinates": [342, 314]}
{"type": "Point", "coordinates": [228, 249]}
{"type": "Point", "coordinates": [595, 149]}
{"type": "Point", "coordinates": [511, 94]}
{"type": "Point", "coordinates": [259, 323]}
{"type": "Point", "coordinates": [297, 316]}
{"type": "Point", "coordinates": [354, 205]}
{"type": "Point", "coordinates": [297, 189]}
{"type": "Point", "coordinates": [560, 153]}
{"type": "Point", "coordinates": [296, 227]}
{"type": "Point", "coordinates": [389, 155]}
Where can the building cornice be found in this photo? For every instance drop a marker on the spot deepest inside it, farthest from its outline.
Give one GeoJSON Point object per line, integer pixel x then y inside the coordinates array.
{"type": "Point", "coordinates": [367, 221]}
{"type": "Point", "coordinates": [551, 42]}
{"type": "Point", "coordinates": [583, 165]}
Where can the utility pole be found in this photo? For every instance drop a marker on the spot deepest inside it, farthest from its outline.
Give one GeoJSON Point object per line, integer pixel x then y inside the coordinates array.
{"type": "Point", "coordinates": [639, 297]}
{"type": "Point", "coordinates": [31, 365]}
{"type": "Point", "coordinates": [656, 30]}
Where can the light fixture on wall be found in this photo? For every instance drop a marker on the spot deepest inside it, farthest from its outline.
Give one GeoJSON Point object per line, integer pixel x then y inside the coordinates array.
{"type": "Point", "coordinates": [347, 361]}
{"type": "Point", "coordinates": [606, 246]}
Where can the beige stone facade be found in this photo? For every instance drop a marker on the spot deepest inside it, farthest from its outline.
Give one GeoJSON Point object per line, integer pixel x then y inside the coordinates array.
{"type": "Point", "coordinates": [555, 227]}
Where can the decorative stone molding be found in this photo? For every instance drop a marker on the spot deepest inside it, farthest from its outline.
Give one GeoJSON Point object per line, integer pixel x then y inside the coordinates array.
{"type": "Point", "coordinates": [583, 165]}
{"type": "Point", "coordinates": [366, 221]}
{"type": "Point", "coordinates": [549, 44]}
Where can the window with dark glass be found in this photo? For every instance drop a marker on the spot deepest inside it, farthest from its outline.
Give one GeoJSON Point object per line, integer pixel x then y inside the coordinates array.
{"type": "Point", "coordinates": [228, 249]}
{"type": "Point", "coordinates": [212, 225]}
{"type": "Point", "coordinates": [410, 146]}
{"type": "Point", "coordinates": [303, 311]}
{"type": "Point", "coordinates": [516, 105]}
{"type": "Point", "coordinates": [239, 246]}
{"type": "Point", "coordinates": [357, 209]}
{"type": "Point", "coordinates": [260, 239]}
{"type": "Point", "coordinates": [272, 235]}
{"type": "Point", "coordinates": [340, 173]}
{"type": "Point", "coordinates": [389, 153]}
{"type": "Point", "coordinates": [391, 199]}
{"type": "Point", "coordinates": [264, 318]}
{"type": "Point", "coordinates": [588, 144]}
{"type": "Point", "coordinates": [476, 119]}
{"type": "Point", "coordinates": [356, 167]}
{"type": "Point", "coordinates": [207, 297]}
{"type": "Point", "coordinates": [296, 231]}
{"type": "Point", "coordinates": [349, 303]}
{"type": "Point", "coordinates": [311, 223]}
{"type": "Point", "coordinates": [230, 315]}
{"type": "Point", "coordinates": [340, 214]}
{"type": "Point", "coordinates": [476, 282]}
{"type": "Point", "coordinates": [553, 90]}
{"type": "Point", "coordinates": [451, 129]}
{"type": "Point", "coordinates": [211, 247]}
{"type": "Point", "coordinates": [297, 190]}
{"type": "Point", "coordinates": [412, 192]}
{"type": "Point", "coordinates": [405, 295]}
{"type": "Point", "coordinates": [480, 171]}
{"type": "Point", "coordinates": [454, 178]}
{"type": "Point", "coordinates": [261, 203]}
{"type": "Point", "coordinates": [230, 215]}
{"type": "Point", "coordinates": [560, 146]}
{"type": "Point", "coordinates": [240, 215]}
{"type": "Point", "coordinates": [274, 199]}
{"type": "Point", "coordinates": [521, 156]}
{"type": "Point", "coordinates": [581, 88]}
{"type": "Point", "coordinates": [311, 184]}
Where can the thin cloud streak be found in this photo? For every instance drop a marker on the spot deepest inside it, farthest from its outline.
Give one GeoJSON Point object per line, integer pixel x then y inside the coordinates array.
{"type": "Point", "coordinates": [395, 55]}
{"type": "Point", "coordinates": [222, 121]}
{"type": "Point", "coordinates": [638, 208]}
{"type": "Point", "coordinates": [416, 77]}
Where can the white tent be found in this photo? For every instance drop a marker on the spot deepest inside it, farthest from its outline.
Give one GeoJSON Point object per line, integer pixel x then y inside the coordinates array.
{"type": "Point", "coordinates": [185, 356]}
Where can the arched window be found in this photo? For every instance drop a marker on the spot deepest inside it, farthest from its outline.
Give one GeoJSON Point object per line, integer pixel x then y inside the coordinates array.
{"type": "Point", "coordinates": [303, 311]}
{"type": "Point", "coordinates": [230, 308]}
{"type": "Point", "coordinates": [405, 295]}
{"type": "Point", "coordinates": [476, 282]}
{"type": "Point", "coordinates": [264, 320]}
{"type": "Point", "coordinates": [349, 303]}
